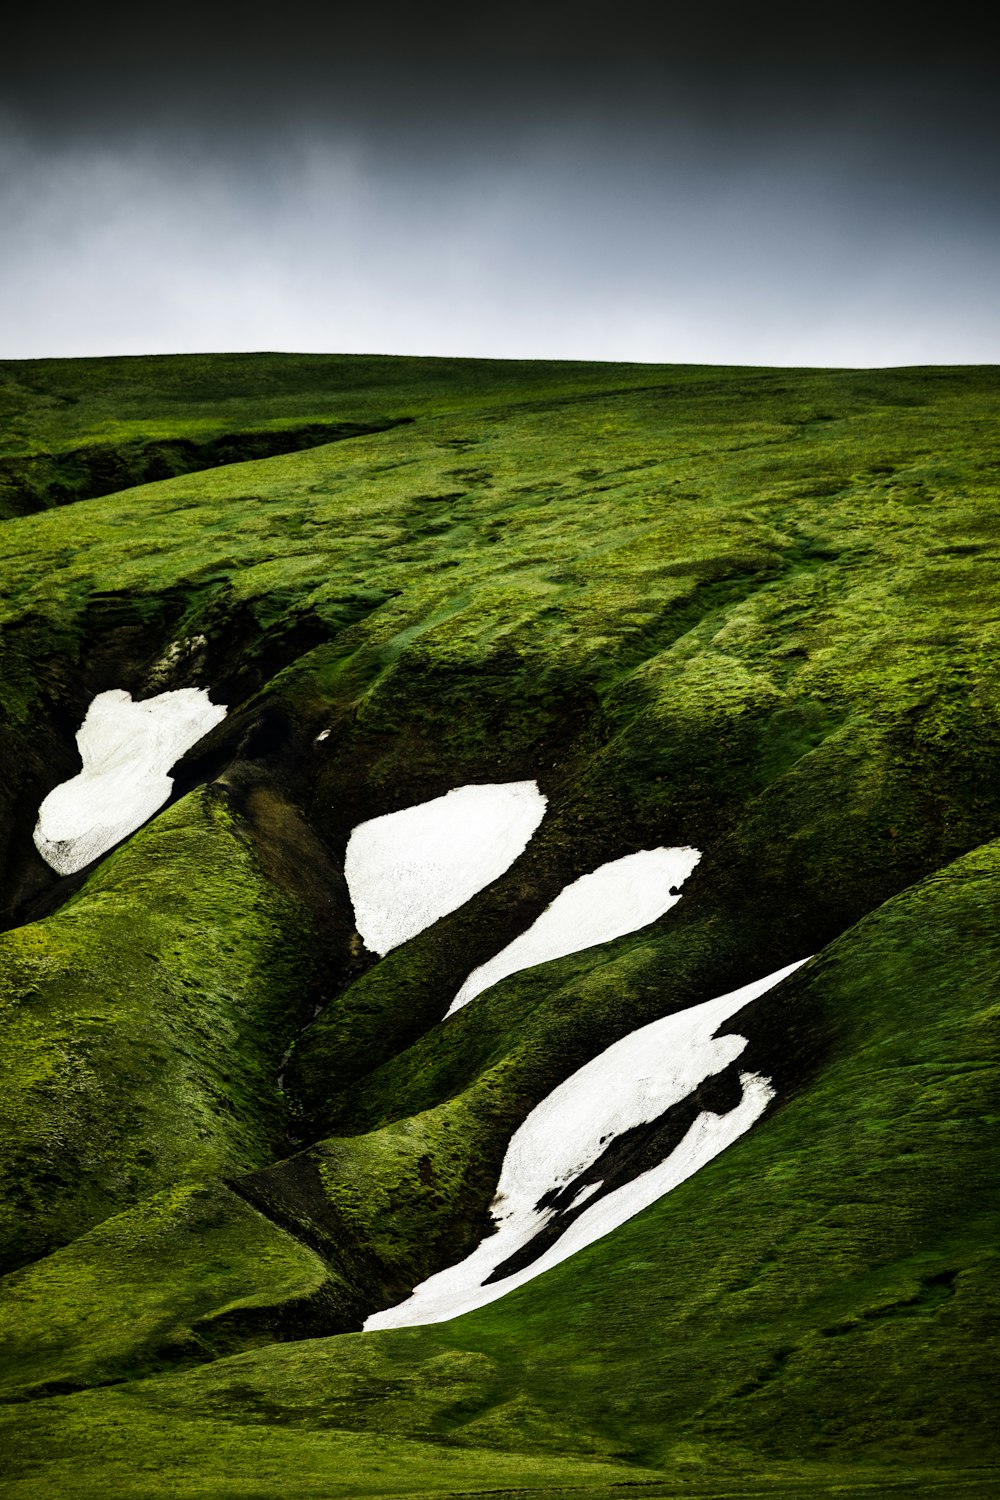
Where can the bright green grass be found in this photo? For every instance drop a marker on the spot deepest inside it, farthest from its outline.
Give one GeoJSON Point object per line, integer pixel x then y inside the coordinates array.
{"type": "Point", "coordinates": [757, 611]}
{"type": "Point", "coordinates": [141, 1027]}
{"type": "Point", "coordinates": [815, 1308]}
{"type": "Point", "coordinates": [74, 428]}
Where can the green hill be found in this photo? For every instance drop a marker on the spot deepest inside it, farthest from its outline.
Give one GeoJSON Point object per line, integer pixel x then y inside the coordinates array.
{"type": "Point", "coordinates": [752, 611]}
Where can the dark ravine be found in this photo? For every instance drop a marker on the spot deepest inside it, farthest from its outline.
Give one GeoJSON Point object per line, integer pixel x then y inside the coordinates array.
{"type": "Point", "coordinates": [123, 642]}
{"type": "Point", "coordinates": [38, 481]}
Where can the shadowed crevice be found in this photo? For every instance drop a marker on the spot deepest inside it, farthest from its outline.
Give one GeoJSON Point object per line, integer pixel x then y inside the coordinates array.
{"type": "Point", "coordinates": [42, 481]}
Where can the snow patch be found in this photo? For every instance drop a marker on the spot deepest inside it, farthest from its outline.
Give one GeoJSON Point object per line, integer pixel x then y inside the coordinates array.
{"type": "Point", "coordinates": [407, 869]}
{"type": "Point", "coordinates": [127, 750]}
{"type": "Point", "coordinates": [632, 1083]}
{"type": "Point", "coordinates": [614, 899]}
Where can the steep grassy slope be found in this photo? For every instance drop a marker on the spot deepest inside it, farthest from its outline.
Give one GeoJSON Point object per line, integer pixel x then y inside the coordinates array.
{"type": "Point", "coordinates": [754, 611]}
{"type": "Point", "coordinates": [159, 1013]}
{"type": "Point", "coordinates": [815, 1309]}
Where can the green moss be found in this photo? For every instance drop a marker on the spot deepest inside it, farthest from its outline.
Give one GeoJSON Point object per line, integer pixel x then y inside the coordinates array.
{"type": "Point", "coordinates": [812, 1309]}
{"type": "Point", "coordinates": [144, 1026]}
{"type": "Point", "coordinates": [748, 610]}
{"type": "Point", "coordinates": [145, 1448]}
{"type": "Point", "coordinates": [182, 1276]}
{"type": "Point", "coordinates": [828, 1284]}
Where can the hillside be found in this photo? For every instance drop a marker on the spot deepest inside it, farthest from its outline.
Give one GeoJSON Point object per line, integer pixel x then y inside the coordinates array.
{"type": "Point", "coordinates": [749, 614]}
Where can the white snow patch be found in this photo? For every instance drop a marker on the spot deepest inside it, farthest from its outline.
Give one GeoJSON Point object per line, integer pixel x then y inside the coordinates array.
{"type": "Point", "coordinates": [614, 899]}
{"type": "Point", "coordinates": [127, 750]}
{"type": "Point", "coordinates": [407, 869]}
{"type": "Point", "coordinates": [633, 1082]}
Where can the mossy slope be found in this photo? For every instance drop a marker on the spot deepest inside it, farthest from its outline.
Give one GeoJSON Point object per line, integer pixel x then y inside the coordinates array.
{"type": "Point", "coordinates": [144, 1025]}
{"type": "Point", "coordinates": [815, 1305]}
{"type": "Point", "coordinates": [188, 1273]}
{"type": "Point", "coordinates": [755, 611]}
{"type": "Point", "coordinates": [73, 429]}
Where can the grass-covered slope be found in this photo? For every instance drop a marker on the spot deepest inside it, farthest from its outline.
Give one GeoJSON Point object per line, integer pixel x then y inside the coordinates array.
{"type": "Point", "coordinates": [72, 429]}
{"type": "Point", "coordinates": [753, 611]}
{"type": "Point", "coordinates": [144, 1027]}
{"type": "Point", "coordinates": [816, 1309]}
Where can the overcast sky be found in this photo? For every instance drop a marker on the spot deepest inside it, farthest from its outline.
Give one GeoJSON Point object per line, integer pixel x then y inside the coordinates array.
{"type": "Point", "coordinates": [533, 191]}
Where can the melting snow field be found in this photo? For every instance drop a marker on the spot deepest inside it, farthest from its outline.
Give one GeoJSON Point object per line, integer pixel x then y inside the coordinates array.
{"type": "Point", "coordinates": [617, 898]}
{"type": "Point", "coordinates": [407, 869]}
{"type": "Point", "coordinates": [632, 1083]}
{"type": "Point", "coordinates": [127, 750]}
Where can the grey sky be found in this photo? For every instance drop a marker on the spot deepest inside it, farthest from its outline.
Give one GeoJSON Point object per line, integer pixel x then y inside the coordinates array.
{"type": "Point", "coordinates": [736, 214]}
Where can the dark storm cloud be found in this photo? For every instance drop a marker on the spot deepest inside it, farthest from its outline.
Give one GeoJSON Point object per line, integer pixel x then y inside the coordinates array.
{"type": "Point", "coordinates": [480, 197]}
{"type": "Point", "coordinates": [124, 36]}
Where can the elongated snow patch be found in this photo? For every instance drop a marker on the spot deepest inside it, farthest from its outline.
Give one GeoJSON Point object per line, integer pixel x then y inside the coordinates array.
{"type": "Point", "coordinates": [127, 750]}
{"type": "Point", "coordinates": [614, 899]}
{"type": "Point", "coordinates": [407, 869]}
{"type": "Point", "coordinates": [632, 1083]}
